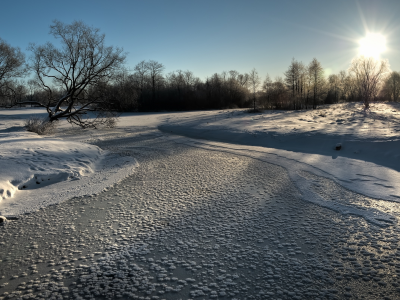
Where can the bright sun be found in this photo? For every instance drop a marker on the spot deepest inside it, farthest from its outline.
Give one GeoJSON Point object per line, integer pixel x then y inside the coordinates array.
{"type": "Point", "coordinates": [372, 45]}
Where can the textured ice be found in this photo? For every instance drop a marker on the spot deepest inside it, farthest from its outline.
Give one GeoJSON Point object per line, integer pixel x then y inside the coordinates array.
{"type": "Point", "coordinates": [295, 168]}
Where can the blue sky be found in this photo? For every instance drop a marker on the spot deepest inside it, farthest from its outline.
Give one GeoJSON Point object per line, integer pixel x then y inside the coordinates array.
{"type": "Point", "coordinates": [208, 37]}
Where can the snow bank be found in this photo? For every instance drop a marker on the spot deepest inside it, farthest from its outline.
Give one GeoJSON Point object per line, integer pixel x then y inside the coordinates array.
{"type": "Point", "coordinates": [37, 171]}
{"type": "Point", "coordinates": [31, 162]}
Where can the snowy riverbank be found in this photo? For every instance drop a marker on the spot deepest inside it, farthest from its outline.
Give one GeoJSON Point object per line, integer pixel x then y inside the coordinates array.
{"type": "Point", "coordinates": [37, 171]}
{"type": "Point", "coordinates": [204, 218]}
{"type": "Point", "coordinates": [66, 166]}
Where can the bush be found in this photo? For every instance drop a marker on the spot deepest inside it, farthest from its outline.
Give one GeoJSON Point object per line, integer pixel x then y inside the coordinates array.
{"type": "Point", "coordinates": [107, 119]}
{"type": "Point", "coordinates": [110, 122]}
{"type": "Point", "coordinates": [40, 126]}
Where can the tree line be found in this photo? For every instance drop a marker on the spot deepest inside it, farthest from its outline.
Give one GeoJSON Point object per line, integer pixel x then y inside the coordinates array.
{"type": "Point", "coordinates": [84, 75]}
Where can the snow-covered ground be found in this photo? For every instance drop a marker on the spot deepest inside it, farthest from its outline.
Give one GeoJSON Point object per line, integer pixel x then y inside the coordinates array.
{"type": "Point", "coordinates": [367, 163]}
{"type": "Point", "coordinates": [220, 206]}
{"type": "Point", "coordinates": [37, 171]}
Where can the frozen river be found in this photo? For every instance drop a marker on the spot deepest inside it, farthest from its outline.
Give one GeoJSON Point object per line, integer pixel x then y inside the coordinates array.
{"type": "Point", "coordinates": [201, 223]}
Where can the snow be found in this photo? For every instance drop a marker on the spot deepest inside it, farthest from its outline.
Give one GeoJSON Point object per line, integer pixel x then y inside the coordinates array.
{"type": "Point", "coordinates": [297, 169]}
{"type": "Point", "coordinates": [300, 141]}
{"type": "Point", "coordinates": [367, 163]}
{"type": "Point", "coordinates": [231, 214]}
{"type": "Point", "coordinates": [37, 171]}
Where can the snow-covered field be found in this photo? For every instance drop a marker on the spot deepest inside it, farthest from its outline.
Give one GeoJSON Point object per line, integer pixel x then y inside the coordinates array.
{"type": "Point", "coordinates": [211, 204]}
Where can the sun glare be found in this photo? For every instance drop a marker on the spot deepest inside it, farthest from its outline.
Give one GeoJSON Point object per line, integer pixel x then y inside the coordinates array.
{"type": "Point", "coordinates": [372, 45]}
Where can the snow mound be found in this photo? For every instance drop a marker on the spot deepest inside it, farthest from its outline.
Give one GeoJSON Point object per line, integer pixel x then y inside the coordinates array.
{"type": "Point", "coordinates": [39, 171]}
{"type": "Point", "coordinates": [29, 162]}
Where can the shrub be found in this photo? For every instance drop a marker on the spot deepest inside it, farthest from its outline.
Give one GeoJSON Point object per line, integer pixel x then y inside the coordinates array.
{"type": "Point", "coordinates": [40, 126]}
{"type": "Point", "coordinates": [110, 122]}
{"type": "Point", "coordinates": [107, 119]}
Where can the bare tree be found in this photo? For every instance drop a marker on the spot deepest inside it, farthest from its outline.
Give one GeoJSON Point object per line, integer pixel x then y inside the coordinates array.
{"type": "Point", "coordinates": [189, 79]}
{"type": "Point", "coordinates": [349, 88]}
{"type": "Point", "coordinates": [291, 78]}
{"type": "Point", "coordinates": [296, 79]}
{"type": "Point", "coordinates": [236, 93]}
{"type": "Point", "coordinates": [155, 70]}
{"type": "Point", "coordinates": [334, 88]}
{"type": "Point", "coordinates": [243, 79]}
{"type": "Point", "coordinates": [12, 65]}
{"type": "Point", "coordinates": [369, 74]}
{"type": "Point", "coordinates": [122, 91]}
{"type": "Point", "coordinates": [301, 85]}
{"type": "Point", "coordinates": [141, 73]}
{"type": "Point", "coordinates": [82, 61]}
{"type": "Point", "coordinates": [266, 88]}
{"type": "Point", "coordinates": [317, 79]}
{"type": "Point", "coordinates": [392, 86]}
{"type": "Point", "coordinates": [279, 93]}
{"type": "Point", "coordinates": [12, 92]}
{"type": "Point", "coordinates": [12, 62]}
{"type": "Point", "coordinates": [254, 80]}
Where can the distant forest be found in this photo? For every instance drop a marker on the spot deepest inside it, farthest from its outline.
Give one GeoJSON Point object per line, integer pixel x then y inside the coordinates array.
{"type": "Point", "coordinates": [147, 87]}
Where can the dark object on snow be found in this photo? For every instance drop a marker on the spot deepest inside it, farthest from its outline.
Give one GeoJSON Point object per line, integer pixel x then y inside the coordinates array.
{"type": "Point", "coordinates": [338, 146]}
{"type": "Point", "coordinates": [3, 220]}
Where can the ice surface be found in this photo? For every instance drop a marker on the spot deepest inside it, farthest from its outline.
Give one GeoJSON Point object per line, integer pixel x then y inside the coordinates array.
{"type": "Point", "coordinates": [295, 166]}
